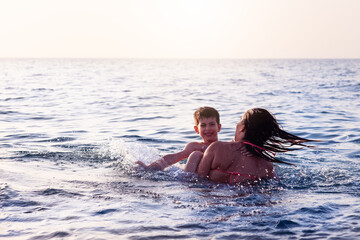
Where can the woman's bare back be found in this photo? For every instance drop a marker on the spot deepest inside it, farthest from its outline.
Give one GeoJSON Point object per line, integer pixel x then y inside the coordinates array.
{"type": "Point", "coordinates": [232, 163]}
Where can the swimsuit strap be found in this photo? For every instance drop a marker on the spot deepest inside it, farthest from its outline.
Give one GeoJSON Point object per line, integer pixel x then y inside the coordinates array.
{"type": "Point", "coordinates": [256, 146]}
{"type": "Point", "coordinates": [235, 173]}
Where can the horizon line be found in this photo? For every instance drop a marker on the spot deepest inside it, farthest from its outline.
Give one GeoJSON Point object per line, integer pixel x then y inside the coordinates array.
{"type": "Point", "coordinates": [190, 58]}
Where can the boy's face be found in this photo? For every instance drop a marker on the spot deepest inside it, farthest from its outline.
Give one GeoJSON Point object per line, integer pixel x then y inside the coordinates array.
{"type": "Point", "coordinates": [208, 129]}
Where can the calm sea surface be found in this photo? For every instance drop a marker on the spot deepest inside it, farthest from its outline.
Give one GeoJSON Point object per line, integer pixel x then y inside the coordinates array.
{"type": "Point", "coordinates": [71, 129]}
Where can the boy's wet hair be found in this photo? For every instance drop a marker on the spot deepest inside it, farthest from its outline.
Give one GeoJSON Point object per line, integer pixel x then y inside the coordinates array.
{"type": "Point", "coordinates": [206, 112]}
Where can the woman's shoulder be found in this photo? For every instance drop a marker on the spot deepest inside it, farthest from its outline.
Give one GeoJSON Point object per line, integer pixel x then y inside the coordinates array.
{"type": "Point", "coordinates": [218, 144]}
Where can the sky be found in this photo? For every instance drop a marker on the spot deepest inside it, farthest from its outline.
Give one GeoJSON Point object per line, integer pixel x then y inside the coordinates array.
{"type": "Point", "coordinates": [180, 29]}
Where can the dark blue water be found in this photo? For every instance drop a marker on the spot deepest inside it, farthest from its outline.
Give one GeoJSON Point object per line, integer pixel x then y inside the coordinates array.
{"type": "Point", "coordinates": [71, 129]}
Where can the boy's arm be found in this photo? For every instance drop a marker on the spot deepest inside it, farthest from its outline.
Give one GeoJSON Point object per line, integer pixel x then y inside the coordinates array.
{"type": "Point", "coordinates": [171, 159]}
{"type": "Point", "coordinates": [204, 167]}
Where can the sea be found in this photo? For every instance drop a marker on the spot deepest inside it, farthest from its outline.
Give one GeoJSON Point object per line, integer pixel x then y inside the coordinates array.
{"type": "Point", "coordinates": [71, 131]}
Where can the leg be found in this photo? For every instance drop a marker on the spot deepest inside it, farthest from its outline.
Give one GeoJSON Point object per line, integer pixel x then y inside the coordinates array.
{"type": "Point", "coordinates": [193, 161]}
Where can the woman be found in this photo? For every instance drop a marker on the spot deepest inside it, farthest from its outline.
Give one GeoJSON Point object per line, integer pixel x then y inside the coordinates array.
{"type": "Point", "coordinates": [250, 157]}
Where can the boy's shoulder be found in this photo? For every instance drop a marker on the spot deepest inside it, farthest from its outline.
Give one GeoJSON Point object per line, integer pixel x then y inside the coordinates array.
{"type": "Point", "coordinates": [196, 146]}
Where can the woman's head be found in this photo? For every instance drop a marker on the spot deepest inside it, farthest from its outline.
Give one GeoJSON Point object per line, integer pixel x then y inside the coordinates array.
{"type": "Point", "coordinates": [261, 128]}
{"type": "Point", "coordinates": [259, 125]}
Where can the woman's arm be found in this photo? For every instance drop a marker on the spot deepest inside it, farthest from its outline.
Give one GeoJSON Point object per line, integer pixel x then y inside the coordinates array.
{"type": "Point", "coordinates": [204, 167]}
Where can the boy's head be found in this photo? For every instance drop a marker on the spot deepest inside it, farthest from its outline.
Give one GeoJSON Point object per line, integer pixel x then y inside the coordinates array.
{"type": "Point", "coordinates": [206, 112]}
{"type": "Point", "coordinates": [207, 123]}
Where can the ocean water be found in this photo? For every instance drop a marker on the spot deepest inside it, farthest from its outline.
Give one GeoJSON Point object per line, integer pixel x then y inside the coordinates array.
{"type": "Point", "coordinates": [71, 130]}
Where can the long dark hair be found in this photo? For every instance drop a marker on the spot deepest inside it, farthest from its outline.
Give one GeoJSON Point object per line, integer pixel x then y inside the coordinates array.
{"type": "Point", "coordinates": [263, 130]}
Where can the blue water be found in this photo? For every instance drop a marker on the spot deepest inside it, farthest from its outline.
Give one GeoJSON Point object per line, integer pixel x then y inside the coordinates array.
{"type": "Point", "coordinates": [71, 129]}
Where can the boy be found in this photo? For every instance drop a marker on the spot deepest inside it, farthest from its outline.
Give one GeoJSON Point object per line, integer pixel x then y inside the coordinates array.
{"type": "Point", "coordinates": [207, 124]}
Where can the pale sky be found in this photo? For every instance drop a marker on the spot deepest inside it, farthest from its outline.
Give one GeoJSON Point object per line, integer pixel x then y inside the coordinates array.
{"type": "Point", "coordinates": [180, 28]}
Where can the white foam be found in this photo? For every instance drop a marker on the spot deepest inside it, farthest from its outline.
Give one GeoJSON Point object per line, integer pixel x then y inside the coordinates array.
{"type": "Point", "coordinates": [129, 152]}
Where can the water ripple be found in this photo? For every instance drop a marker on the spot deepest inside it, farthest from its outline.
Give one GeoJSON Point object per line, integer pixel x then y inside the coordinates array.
{"type": "Point", "coordinates": [73, 128]}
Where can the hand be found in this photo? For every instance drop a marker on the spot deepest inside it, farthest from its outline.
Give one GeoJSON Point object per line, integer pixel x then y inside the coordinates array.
{"type": "Point", "coordinates": [141, 164]}
{"type": "Point", "coordinates": [153, 166]}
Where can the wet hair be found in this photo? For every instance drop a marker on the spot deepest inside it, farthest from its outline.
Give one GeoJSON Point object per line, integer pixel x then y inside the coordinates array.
{"type": "Point", "coordinates": [206, 112]}
{"type": "Point", "coordinates": [263, 130]}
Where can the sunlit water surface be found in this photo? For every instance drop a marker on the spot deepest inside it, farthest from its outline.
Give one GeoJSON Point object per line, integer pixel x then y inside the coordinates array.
{"type": "Point", "coordinates": [70, 131]}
